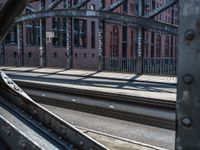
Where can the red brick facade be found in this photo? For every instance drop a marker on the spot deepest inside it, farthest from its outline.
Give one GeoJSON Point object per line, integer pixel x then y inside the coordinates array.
{"type": "Point", "coordinates": [120, 39]}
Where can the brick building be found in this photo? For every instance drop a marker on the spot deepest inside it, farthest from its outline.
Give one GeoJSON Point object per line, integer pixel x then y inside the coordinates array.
{"type": "Point", "coordinates": [120, 40]}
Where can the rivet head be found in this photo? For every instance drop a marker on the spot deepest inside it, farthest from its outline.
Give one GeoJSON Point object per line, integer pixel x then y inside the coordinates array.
{"type": "Point", "coordinates": [16, 88]}
{"type": "Point", "coordinates": [188, 79]}
{"type": "Point", "coordinates": [189, 35]}
{"type": "Point", "coordinates": [187, 122]}
{"type": "Point", "coordinates": [60, 137]}
{"type": "Point", "coordinates": [198, 21]}
{"type": "Point", "coordinates": [10, 82]}
{"type": "Point", "coordinates": [81, 143]}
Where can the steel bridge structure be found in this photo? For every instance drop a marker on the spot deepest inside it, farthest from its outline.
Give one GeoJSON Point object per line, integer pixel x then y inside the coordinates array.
{"type": "Point", "coordinates": [58, 134]}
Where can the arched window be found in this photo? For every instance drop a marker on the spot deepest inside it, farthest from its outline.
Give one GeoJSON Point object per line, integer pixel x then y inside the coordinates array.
{"type": "Point", "coordinates": [114, 44]}
{"type": "Point", "coordinates": [167, 46]}
{"type": "Point", "coordinates": [158, 46]}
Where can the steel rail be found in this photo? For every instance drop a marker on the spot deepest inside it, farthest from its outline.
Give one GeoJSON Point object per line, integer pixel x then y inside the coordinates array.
{"type": "Point", "coordinates": [136, 109]}
{"type": "Point", "coordinates": [143, 22]}
{"type": "Point", "coordinates": [67, 132]}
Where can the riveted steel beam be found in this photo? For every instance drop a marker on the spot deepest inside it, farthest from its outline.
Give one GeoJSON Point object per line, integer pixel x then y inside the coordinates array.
{"type": "Point", "coordinates": [161, 9]}
{"type": "Point", "coordinates": [81, 3]}
{"type": "Point", "coordinates": [115, 5]}
{"type": "Point", "coordinates": [7, 16]}
{"type": "Point", "coordinates": [188, 99]}
{"type": "Point", "coordinates": [69, 44]}
{"type": "Point", "coordinates": [20, 45]}
{"type": "Point", "coordinates": [54, 4]}
{"type": "Point", "coordinates": [57, 131]}
{"type": "Point", "coordinates": [140, 21]}
{"type": "Point", "coordinates": [30, 8]}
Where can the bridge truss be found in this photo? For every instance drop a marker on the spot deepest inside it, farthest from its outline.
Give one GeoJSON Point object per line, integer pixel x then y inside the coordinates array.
{"type": "Point", "coordinates": [14, 100]}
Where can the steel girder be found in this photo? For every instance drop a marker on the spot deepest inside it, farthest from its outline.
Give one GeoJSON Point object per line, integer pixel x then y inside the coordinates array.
{"type": "Point", "coordinates": [188, 99]}
{"type": "Point", "coordinates": [54, 4]}
{"type": "Point", "coordinates": [7, 16]}
{"type": "Point", "coordinates": [140, 21]}
{"type": "Point", "coordinates": [80, 4]}
{"type": "Point", "coordinates": [161, 9]}
{"type": "Point", "coordinates": [115, 5]}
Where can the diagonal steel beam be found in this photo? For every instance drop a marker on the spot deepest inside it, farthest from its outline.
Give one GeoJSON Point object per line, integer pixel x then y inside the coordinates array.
{"type": "Point", "coordinates": [80, 4]}
{"type": "Point", "coordinates": [143, 22]}
{"type": "Point", "coordinates": [31, 8]}
{"type": "Point", "coordinates": [7, 16]}
{"type": "Point", "coordinates": [161, 9]}
{"type": "Point", "coordinates": [54, 4]}
{"type": "Point", "coordinates": [115, 5]}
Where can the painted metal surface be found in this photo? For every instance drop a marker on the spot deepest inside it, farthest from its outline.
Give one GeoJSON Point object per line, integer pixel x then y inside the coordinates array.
{"type": "Point", "coordinates": [17, 98]}
{"type": "Point", "coordinates": [188, 99]}
{"type": "Point", "coordinates": [140, 21]}
{"type": "Point", "coordinates": [161, 9]}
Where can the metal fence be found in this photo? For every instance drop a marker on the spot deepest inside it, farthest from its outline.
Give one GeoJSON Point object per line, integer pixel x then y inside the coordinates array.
{"type": "Point", "coordinates": [157, 66]}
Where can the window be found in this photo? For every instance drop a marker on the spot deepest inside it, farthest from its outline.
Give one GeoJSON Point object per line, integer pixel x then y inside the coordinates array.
{"type": "Point", "coordinates": [152, 43]}
{"type": "Point", "coordinates": [114, 45]}
{"type": "Point", "coordinates": [75, 2]}
{"type": "Point", "coordinates": [59, 29]}
{"type": "Point", "coordinates": [33, 33]}
{"type": "Point", "coordinates": [158, 46]}
{"type": "Point", "coordinates": [80, 33]}
{"type": "Point", "coordinates": [125, 7]}
{"type": "Point", "coordinates": [167, 46]}
{"type": "Point", "coordinates": [153, 5]}
{"type": "Point", "coordinates": [124, 41]}
{"type": "Point", "coordinates": [92, 7]}
{"type": "Point", "coordinates": [11, 37]}
{"type": "Point", "coordinates": [172, 46]}
{"type": "Point", "coordinates": [132, 43]}
{"type": "Point", "coordinates": [93, 32]}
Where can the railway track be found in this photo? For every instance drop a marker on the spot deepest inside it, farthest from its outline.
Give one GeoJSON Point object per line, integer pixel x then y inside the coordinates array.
{"type": "Point", "coordinates": [27, 125]}
{"type": "Point", "coordinates": [137, 109]}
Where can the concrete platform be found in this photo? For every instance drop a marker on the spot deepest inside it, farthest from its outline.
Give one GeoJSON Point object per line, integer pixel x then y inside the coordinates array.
{"type": "Point", "coordinates": [95, 74]}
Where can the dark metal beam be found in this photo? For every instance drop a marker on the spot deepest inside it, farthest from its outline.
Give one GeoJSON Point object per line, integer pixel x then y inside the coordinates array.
{"type": "Point", "coordinates": [55, 130]}
{"type": "Point", "coordinates": [161, 9]}
{"type": "Point", "coordinates": [54, 4]}
{"type": "Point", "coordinates": [80, 4]}
{"type": "Point", "coordinates": [7, 17]}
{"type": "Point", "coordinates": [188, 99]}
{"type": "Point", "coordinates": [30, 8]}
{"type": "Point", "coordinates": [115, 5]}
{"type": "Point", "coordinates": [143, 22]}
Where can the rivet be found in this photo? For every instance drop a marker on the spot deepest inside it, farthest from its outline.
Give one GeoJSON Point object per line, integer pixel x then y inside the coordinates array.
{"type": "Point", "coordinates": [8, 133]}
{"type": "Point", "coordinates": [34, 112]}
{"type": "Point", "coordinates": [187, 122]}
{"type": "Point", "coordinates": [10, 82]}
{"type": "Point", "coordinates": [23, 145]}
{"type": "Point", "coordinates": [71, 146]}
{"type": "Point", "coordinates": [63, 132]}
{"type": "Point", "coordinates": [39, 123]}
{"type": "Point", "coordinates": [188, 79]}
{"type": "Point", "coordinates": [189, 35]}
{"type": "Point", "coordinates": [49, 130]}
{"type": "Point", "coordinates": [16, 88]}
{"type": "Point", "coordinates": [60, 137]}
{"type": "Point", "coordinates": [81, 143]}
{"type": "Point", "coordinates": [198, 21]}
{"type": "Point", "coordinates": [179, 147]}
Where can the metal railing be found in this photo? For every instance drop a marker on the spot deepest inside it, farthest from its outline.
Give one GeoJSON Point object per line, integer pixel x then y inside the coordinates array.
{"type": "Point", "coordinates": [121, 64]}
{"type": "Point", "coordinates": [157, 66]}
